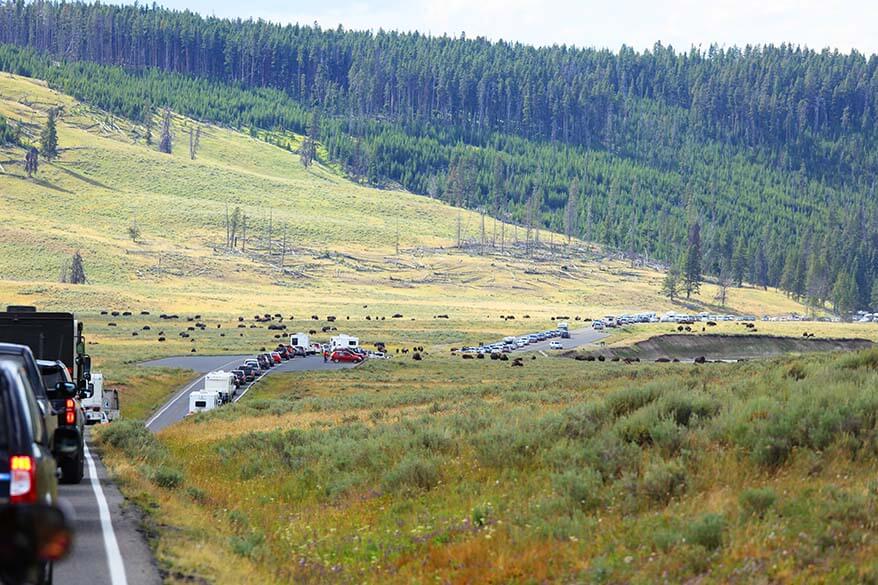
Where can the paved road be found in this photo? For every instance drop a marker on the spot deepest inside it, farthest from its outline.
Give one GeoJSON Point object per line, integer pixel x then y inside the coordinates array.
{"type": "Point", "coordinates": [178, 406]}
{"type": "Point", "coordinates": [108, 549]}
{"type": "Point", "coordinates": [578, 338]}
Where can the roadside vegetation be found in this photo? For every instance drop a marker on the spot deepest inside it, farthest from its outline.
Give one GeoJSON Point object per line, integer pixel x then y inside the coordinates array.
{"type": "Point", "coordinates": [561, 470]}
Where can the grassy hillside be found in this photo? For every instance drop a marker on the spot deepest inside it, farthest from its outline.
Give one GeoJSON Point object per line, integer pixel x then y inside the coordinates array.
{"type": "Point", "coordinates": [556, 472]}
{"type": "Point", "coordinates": [341, 236]}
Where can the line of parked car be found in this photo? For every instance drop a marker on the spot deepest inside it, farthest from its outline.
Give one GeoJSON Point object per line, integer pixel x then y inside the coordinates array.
{"type": "Point", "coordinates": [510, 344]}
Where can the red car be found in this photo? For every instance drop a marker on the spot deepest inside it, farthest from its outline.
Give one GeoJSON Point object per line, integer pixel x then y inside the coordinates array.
{"type": "Point", "coordinates": [275, 356]}
{"type": "Point", "coordinates": [343, 355]}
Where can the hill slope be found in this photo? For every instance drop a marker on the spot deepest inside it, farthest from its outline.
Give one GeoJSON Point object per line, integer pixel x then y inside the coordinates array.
{"type": "Point", "coordinates": [773, 150]}
{"type": "Point", "coordinates": [341, 237]}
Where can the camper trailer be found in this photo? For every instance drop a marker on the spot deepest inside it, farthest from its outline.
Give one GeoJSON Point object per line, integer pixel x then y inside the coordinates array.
{"type": "Point", "coordinates": [202, 401]}
{"type": "Point", "coordinates": [343, 341]}
{"type": "Point", "coordinates": [222, 383]}
{"type": "Point", "coordinates": [300, 340]}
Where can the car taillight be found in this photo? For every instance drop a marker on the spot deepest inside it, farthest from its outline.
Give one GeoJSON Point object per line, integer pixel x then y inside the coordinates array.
{"type": "Point", "coordinates": [70, 407]}
{"type": "Point", "coordinates": [22, 484]}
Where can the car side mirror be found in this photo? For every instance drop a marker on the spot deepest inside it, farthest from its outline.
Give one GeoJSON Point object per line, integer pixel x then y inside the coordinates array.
{"type": "Point", "coordinates": [86, 367]}
{"type": "Point", "coordinates": [65, 389]}
{"type": "Point", "coordinates": [88, 391]}
{"type": "Point", "coordinates": [32, 534]}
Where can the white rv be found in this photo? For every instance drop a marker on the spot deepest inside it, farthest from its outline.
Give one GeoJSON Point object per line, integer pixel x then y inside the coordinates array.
{"type": "Point", "coordinates": [202, 401]}
{"type": "Point", "coordinates": [343, 341]}
{"type": "Point", "coordinates": [102, 405]}
{"type": "Point", "coordinates": [222, 384]}
{"type": "Point", "coordinates": [300, 340]}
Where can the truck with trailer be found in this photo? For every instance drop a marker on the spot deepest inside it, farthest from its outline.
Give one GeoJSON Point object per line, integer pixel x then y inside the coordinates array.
{"type": "Point", "coordinates": [103, 405]}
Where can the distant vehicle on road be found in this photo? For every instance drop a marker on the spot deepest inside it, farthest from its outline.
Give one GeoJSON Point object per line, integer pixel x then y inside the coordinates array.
{"type": "Point", "coordinates": [222, 384]}
{"type": "Point", "coordinates": [202, 401]}
{"type": "Point", "coordinates": [598, 325]}
{"type": "Point", "coordinates": [555, 345]}
{"type": "Point", "coordinates": [102, 405]}
{"type": "Point", "coordinates": [342, 355]}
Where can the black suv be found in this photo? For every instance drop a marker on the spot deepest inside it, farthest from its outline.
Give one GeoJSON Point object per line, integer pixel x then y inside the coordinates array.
{"type": "Point", "coordinates": [27, 468]}
{"type": "Point", "coordinates": [70, 434]}
{"type": "Point", "coordinates": [66, 443]}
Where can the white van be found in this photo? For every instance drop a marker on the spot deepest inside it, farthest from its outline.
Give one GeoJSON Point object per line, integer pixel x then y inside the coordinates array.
{"type": "Point", "coordinates": [598, 325]}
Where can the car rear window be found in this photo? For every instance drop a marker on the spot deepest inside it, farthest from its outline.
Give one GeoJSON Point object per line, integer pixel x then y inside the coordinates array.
{"type": "Point", "coordinates": [51, 376]}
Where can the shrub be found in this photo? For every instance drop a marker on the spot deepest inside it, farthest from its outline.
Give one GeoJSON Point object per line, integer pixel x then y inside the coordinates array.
{"type": "Point", "coordinates": [757, 501]}
{"type": "Point", "coordinates": [412, 472]}
{"type": "Point", "coordinates": [862, 359]}
{"type": "Point", "coordinates": [665, 539]}
{"type": "Point", "coordinates": [663, 480]}
{"type": "Point", "coordinates": [133, 439]}
{"type": "Point", "coordinates": [583, 421]}
{"type": "Point", "coordinates": [611, 456]}
{"type": "Point", "coordinates": [631, 398]}
{"type": "Point", "coordinates": [197, 495]}
{"type": "Point", "coordinates": [582, 487]}
{"type": "Point", "coordinates": [248, 546]}
{"type": "Point", "coordinates": [707, 531]}
{"type": "Point", "coordinates": [167, 477]}
{"type": "Point", "coordinates": [682, 407]}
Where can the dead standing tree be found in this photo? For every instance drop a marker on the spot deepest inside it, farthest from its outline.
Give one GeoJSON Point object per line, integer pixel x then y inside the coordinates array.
{"type": "Point", "coordinates": [194, 141]}
{"type": "Point", "coordinates": [166, 141]}
{"type": "Point", "coordinates": [73, 272]}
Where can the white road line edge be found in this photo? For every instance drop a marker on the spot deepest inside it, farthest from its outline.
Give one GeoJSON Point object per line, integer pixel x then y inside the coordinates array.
{"type": "Point", "coordinates": [111, 546]}
{"type": "Point", "coordinates": [180, 395]}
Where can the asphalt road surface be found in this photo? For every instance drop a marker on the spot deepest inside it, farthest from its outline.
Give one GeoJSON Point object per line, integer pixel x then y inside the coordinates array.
{"type": "Point", "coordinates": [178, 406]}
{"type": "Point", "coordinates": [578, 338]}
{"type": "Point", "coordinates": [107, 549]}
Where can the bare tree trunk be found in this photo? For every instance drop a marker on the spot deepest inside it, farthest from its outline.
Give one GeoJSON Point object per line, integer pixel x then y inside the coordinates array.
{"type": "Point", "coordinates": [244, 233]}
{"type": "Point", "coordinates": [283, 251]}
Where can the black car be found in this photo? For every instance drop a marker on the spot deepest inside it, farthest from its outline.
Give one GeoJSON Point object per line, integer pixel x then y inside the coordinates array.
{"type": "Point", "coordinates": [264, 362]}
{"type": "Point", "coordinates": [249, 372]}
{"type": "Point", "coordinates": [285, 354]}
{"type": "Point", "coordinates": [240, 377]}
{"type": "Point", "coordinates": [70, 435]}
{"type": "Point", "coordinates": [27, 467]}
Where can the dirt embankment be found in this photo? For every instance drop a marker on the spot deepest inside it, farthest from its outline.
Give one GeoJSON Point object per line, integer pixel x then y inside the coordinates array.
{"type": "Point", "coordinates": [725, 347]}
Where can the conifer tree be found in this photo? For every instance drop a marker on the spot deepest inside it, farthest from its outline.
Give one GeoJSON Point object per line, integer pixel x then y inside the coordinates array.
{"type": "Point", "coordinates": [692, 262]}
{"type": "Point", "coordinates": [49, 137]}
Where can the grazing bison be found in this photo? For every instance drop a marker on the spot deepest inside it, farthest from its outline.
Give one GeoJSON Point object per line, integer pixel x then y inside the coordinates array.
{"type": "Point", "coordinates": [503, 357]}
{"type": "Point", "coordinates": [315, 318]}
{"type": "Point", "coordinates": [467, 356]}
{"type": "Point", "coordinates": [161, 339]}
{"type": "Point", "coordinates": [601, 358]}
{"type": "Point", "coordinates": [115, 313]}
{"type": "Point", "coordinates": [711, 324]}
{"type": "Point", "coordinates": [417, 356]}
{"type": "Point", "coordinates": [312, 332]}
{"type": "Point", "coordinates": [700, 359]}
{"type": "Point", "coordinates": [146, 327]}
{"type": "Point", "coordinates": [662, 361]}
{"type": "Point", "coordinates": [105, 312]}
{"type": "Point", "coordinates": [134, 334]}
{"type": "Point", "coordinates": [192, 350]}
{"type": "Point", "coordinates": [396, 316]}
{"type": "Point", "coordinates": [126, 313]}
{"type": "Point", "coordinates": [331, 318]}
{"type": "Point", "coordinates": [111, 324]}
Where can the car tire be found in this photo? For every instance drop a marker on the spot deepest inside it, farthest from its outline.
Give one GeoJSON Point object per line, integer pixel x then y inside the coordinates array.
{"type": "Point", "coordinates": [73, 470]}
